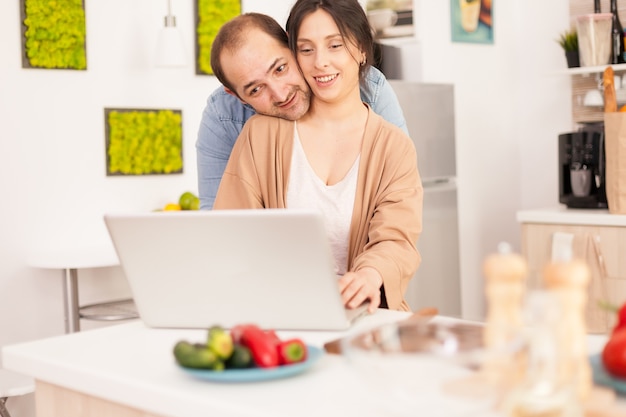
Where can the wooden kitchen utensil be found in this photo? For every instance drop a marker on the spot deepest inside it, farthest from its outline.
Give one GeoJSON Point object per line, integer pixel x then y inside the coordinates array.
{"type": "Point", "coordinates": [505, 285]}
{"type": "Point", "coordinates": [334, 346]}
{"type": "Point", "coordinates": [610, 98]}
{"type": "Point", "coordinates": [569, 279]}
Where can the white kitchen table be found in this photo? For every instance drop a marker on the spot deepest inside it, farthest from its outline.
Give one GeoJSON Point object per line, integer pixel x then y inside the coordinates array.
{"type": "Point", "coordinates": [128, 370]}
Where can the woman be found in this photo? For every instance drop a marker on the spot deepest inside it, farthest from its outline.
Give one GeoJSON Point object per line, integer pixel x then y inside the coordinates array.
{"type": "Point", "coordinates": [340, 158]}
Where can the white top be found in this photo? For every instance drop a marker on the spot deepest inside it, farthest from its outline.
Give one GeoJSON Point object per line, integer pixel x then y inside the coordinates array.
{"type": "Point", "coordinates": [335, 202]}
{"type": "Point", "coordinates": [568, 216]}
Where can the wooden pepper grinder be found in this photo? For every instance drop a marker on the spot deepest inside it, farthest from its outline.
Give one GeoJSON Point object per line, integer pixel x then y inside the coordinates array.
{"type": "Point", "coordinates": [505, 274]}
{"type": "Point", "coordinates": [568, 279]}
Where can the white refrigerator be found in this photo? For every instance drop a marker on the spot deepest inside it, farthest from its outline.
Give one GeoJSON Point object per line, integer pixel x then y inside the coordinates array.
{"type": "Point", "coordinates": [429, 113]}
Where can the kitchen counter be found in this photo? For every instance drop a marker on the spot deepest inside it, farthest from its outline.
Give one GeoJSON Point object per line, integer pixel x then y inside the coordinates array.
{"type": "Point", "coordinates": [129, 369]}
{"type": "Point", "coordinates": [131, 365]}
{"type": "Point", "coordinates": [563, 215]}
{"type": "Point", "coordinates": [594, 236]}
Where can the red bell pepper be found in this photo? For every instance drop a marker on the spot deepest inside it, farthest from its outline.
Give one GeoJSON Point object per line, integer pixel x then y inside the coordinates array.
{"type": "Point", "coordinates": [236, 332]}
{"type": "Point", "coordinates": [262, 346]}
{"type": "Point", "coordinates": [291, 351]}
{"type": "Point", "coordinates": [614, 354]}
{"type": "Point", "coordinates": [272, 335]}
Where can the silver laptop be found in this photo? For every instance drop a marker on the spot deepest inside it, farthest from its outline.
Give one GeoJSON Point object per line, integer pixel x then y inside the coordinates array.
{"type": "Point", "coordinates": [196, 269]}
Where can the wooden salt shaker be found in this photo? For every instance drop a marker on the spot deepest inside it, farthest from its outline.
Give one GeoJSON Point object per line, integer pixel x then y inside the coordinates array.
{"type": "Point", "coordinates": [569, 279]}
{"type": "Point", "coordinates": [505, 274]}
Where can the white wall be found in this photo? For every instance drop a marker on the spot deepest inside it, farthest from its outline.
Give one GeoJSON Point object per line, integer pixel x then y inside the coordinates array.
{"type": "Point", "coordinates": [54, 188]}
{"type": "Point", "coordinates": [52, 171]}
{"type": "Point", "coordinates": [509, 111]}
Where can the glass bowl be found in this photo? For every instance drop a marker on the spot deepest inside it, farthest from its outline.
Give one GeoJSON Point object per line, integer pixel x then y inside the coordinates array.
{"type": "Point", "coordinates": [421, 368]}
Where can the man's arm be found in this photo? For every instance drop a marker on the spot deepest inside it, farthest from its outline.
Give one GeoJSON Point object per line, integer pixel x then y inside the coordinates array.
{"type": "Point", "coordinates": [382, 99]}
{"type": "Point", "coordinates": [222, 121]}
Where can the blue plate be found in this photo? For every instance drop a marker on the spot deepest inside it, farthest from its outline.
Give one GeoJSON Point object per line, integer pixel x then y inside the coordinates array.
{"type": "Point", "coordinates": [258, 374]}
{"type": "Point", "coordinates": [602, 377]}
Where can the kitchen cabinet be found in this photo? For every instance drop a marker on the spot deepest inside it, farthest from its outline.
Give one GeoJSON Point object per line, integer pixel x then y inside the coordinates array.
{"type": "Point", "coordinates": [599, 238]}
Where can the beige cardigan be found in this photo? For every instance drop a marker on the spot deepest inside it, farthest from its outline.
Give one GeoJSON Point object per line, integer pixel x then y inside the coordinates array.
{"type": "Point", "coordinates": [387, 216]}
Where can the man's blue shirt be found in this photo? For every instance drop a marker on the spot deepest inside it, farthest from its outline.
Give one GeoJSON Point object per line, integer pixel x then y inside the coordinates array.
{"type": "Point", "coordinates": [224, 117]}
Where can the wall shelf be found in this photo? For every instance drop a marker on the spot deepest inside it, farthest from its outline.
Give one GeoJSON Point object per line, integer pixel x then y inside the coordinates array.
{"type": "Point", "coordinates": [591, 70]}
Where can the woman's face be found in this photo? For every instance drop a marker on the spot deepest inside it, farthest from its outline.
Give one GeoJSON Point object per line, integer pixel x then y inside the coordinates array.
{"type": "Point", "coordinates": [329, 63]}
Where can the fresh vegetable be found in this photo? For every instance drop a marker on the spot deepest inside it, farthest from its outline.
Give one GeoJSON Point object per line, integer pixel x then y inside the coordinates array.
{"type": "Point", "coordinates": [614, 354]}
{"type": "Point", "coordinates": [220, 342]}
{"type": "Point", "coordinates": [236, 332]}
{"type": "Point", "coordinates": [262, 345]}
{"type": "Point", "coordinates": [244, 346]}
{"type": "Point", "coordinates": [196, 356]}
{"type": "Point", "coordinates": [218, 366]}
{"type": "Point", "coordinates": [272, 334]}
{"type": "Point", "coordinates": [291, 351]}
{"type": "Point", "coordinates": [240, 358]}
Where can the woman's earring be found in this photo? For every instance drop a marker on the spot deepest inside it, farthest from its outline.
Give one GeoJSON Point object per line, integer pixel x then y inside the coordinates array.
{"type": "Point", "coordinates": [364, 61]}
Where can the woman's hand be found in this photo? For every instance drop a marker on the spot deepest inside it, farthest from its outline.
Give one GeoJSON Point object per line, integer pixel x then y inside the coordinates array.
{"type": "Point", "coordinates": [356, 287]}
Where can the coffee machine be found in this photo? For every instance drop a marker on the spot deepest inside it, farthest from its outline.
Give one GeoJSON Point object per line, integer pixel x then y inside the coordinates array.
{"type": "Point", "coordinates": [582, 167]}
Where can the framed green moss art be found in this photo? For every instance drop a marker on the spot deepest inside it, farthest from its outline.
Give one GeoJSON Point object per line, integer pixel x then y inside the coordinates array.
{"type": "Point", "coordinates": [143, 142]}
{"type": "Point", "coordinates": [53, 34]}
{"type": "Point", "coordinates": [210, 16]}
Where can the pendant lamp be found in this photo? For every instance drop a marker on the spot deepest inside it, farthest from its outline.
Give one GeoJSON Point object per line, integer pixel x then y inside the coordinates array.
{"type": "Point", "coordinates": [170, 46]}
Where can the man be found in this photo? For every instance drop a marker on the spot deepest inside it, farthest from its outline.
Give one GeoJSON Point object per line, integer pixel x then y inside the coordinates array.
{"type": "Point", "coordinates": [250, 56]}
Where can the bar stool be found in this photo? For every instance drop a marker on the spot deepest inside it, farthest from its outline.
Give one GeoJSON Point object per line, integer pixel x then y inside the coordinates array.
{"type": "Point", "coordinates": [70, 260]}
{"type": "Point", "coordinates": [11, 385]}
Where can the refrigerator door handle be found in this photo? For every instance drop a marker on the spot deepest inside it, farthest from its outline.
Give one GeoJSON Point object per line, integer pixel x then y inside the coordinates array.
{"type": "Point", "coordinates": [443, 183]}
